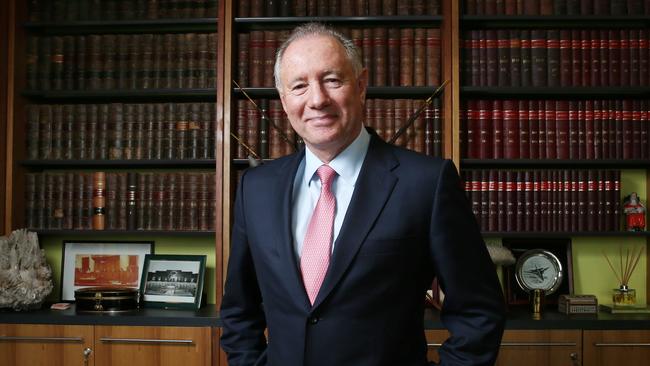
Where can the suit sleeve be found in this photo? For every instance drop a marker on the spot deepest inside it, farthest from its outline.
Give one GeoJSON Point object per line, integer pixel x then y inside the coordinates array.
{"type": "Point", "coordinates": [241, 312]}
{"type": "Point", "coordinates": [473, 309]}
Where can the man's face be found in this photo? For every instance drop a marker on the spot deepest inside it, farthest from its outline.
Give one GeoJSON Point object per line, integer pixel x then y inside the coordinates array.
{"type": "Point", "coordinates": [321, 95]}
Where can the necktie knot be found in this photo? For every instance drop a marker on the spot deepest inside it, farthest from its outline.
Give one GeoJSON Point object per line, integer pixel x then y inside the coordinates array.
{"type": "Point", "coordinates": [326, 175]}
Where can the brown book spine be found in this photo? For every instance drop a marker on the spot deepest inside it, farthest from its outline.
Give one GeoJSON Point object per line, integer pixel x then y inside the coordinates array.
{"type": "Point", "coordinates": [419, 57]}
{"type": "Point", "coordinates": [99, 201]}
{"type": "Point", "coordinates": [627, 125]}
{"type": "Point", "coordinates": [406, 56]}
{"type": "Point", "coordinates": [432, 60]}
{"type": "Point", "coordinates": [367, 53]}
{"type": "Point", "coordinates": [379, 42]}
{"type": "Point", "coordinates": [264, 126]}
{"type": "Point", "coordinates": [393, 57]}
{"type": "Point", "coordinates": [102, 131]}
{"type": "Point", "coordinates": [57, 132]}
{"type": "Point", "coordinates": [111, 199]}
{"type": "Point", "coordinates": [270, 45]}
{"type": "Point", "coordinates": [193, 130]}
{"type": "Point", "coordinates": [256, 58]}
{"type": "Point", "coordinates": [32, 131]}
{"type": "Point", "coordinates": [241, 128]}
{"type": "Point", "coordinates": [546, 7]}
{"type": "Point", "coordinates": [180, 134]}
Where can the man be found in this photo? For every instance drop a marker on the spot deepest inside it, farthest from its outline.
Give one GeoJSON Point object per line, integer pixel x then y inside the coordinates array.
{"type": "Point", "coordinates": [333, 247]}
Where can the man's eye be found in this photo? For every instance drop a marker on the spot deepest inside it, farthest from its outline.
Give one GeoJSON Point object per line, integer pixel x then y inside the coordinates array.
{"type": "Point", "coordinates": [333, 82]}
{"type": "Point", "coordinates": [298, 88]}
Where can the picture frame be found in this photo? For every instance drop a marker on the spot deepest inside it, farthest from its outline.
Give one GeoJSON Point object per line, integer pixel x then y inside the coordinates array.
{"type": "Point", "coordinates": [97, 263]}
{"type": "Point", "coordinates": [173, 281]}
{"type": "Point", "coordinates": [561, 248]}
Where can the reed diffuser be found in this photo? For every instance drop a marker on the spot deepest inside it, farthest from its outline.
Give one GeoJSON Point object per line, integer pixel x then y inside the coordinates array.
{"type": "Point", "coordinates": [624, 296]}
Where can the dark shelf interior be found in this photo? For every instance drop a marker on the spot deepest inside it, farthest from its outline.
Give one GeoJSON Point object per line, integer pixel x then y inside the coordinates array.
{"type": "Point", "coordinates": [124, 95]}
{"type": "Point", "coordinates": [537, 163]}
{"type": "Point", "coordinates": [554, 21]}
{"type": "Point", "coordinates": [198, 25]}
{"type": "Point", "coordinates": [177, 163]}
{"type": "Point", "coordinates": [556, 92]}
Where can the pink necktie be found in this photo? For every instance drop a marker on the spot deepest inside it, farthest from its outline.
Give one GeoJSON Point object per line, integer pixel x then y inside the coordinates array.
{"type": "Point", "coordinates": [317, 246]}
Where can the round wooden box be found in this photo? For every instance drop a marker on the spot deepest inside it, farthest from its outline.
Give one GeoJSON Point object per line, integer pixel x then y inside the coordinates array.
{"type": "Point", "coordinates": [106, 299]}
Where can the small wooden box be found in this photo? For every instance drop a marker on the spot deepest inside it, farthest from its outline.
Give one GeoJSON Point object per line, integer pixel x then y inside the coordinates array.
{"type": "Point", "coordinates": [577, 304]}
{"type": "Point", "coordinates": [106, 299]}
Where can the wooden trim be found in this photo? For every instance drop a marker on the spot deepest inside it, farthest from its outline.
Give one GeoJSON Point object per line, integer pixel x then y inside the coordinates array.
{"type": "Point", "coordinates": [449, 49]}
{"type": "Point", "coordinates": [6, 197]}
{"type": "Point", "coordinates": [4, 85]}
{"type": "Point", "coordinates": [647, 245]}
{"type": "Point", "coordinates": [226, 18]}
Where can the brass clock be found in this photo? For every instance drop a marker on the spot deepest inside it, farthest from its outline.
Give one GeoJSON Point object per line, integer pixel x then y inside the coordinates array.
{"type": "Point", "coordinates": [539, 269]}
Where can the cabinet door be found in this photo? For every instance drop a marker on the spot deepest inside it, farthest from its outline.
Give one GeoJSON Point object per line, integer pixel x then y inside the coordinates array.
{"type": "Point", "coordinates": [526, 347]}
{"type": "Point", "coordinates": [540, 348]}
{"type": "Point", "coordinates": [617, 347]}
{"type": "Point", "coordinates": [152, 346]}
{"type": "Point", "coordinates": [51, 345]}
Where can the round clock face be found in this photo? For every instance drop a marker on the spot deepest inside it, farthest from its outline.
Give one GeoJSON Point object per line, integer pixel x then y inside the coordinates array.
{"type": "Point", "coordinates": [539, 269]}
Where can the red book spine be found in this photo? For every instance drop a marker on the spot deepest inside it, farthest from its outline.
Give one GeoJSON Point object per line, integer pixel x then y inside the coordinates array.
{"type": "Point", "coordinates": [598, 129]}
{"type": "Point", "coordinates": [576, 58]}
{"type": "Point", "coordinates": [501, 201]}
{"type": "Point", "coordinates": [566, 66]}
{"type": "Point", "coordinates": [473, 131]}
{"type": "Point", "coordinates": [520, 206]}
{"type": "Point", "coordinates": [492, 213]}
{"type": "Point", "coordinates": [573, 130]}
{"type": "Point", "coordinates": [541, 129]}
{"type": "Point", "coordinates": [503, 58]}
{"type": "Point", "coordinates": [497, 129]}
{"type": "Point", "coordinates": [645, 127]}
{"type": "Point", "coordinates": [510, 130]}
{"type": "Point", "coordinates": [524, 130]}
{"type": "Point", "coordinates": [592, 197]}
{"type": "Point", "coordinates": [627, 129]}
{"type": "Point", "coordinates": [485, 199]}
{"type": "Point", "coordinates": [475, 179]}
{"type": "Point", "coordinates": [485, 131]}
{"type": "Point", "coordinates": [624, 57]}
{"type": "Point", "coordinates": [515, 58]}
{"type": "Point", "coordinates": [634, 57]}
{"type": "Point", "coordinates": [526, 58]}
{"type": "Point", "coordinates": [575, 200]}
{"type": "Point", "coordinates": [492, 58]}
{"type": "Point", "coordinates": [601, 201]}
{"type": "Point", "coordinates": [643, 56]}
{"type": "Point", "coordinates": [533, 129]}
{"type": "Point", "coordinates": [585, 45]}
{"type": "Point", "coordinates": [604, 57]}
{"type": "Point", "coordinates": [528, 219]}
{"type": "Point", "coordinates": [566, 200]}
{"type": "Point", "coordinates": [543, 201]}
{"type": "Point", "coordinates": [604, 134]}
{"type": "Point", "coordinates": [589, 130]}
{"type": "Point", "coordinates": [511, 201]}
{"type": "Point", "coordinates": [609, 203]}
{"type": "Point", "coordinates": [614, 58]}
{"type": "Point", "coordinates": [393, 56]}
{"type": "Point", "coordinates": [551, 130]}
{"type": "Point", "coordinates": [594, 50]}
{"type": "Point", "coordinates": [483, 58]}
{"type": "Point", "coordinates": [538, 57]}
{"type": "Point", "coordinates": [562, 129]}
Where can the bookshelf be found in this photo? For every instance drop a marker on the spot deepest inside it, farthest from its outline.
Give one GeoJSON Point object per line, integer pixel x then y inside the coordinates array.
{"type": "Point", "coordinates": [127, 88]}
{"type": "Point", "coordinates": [563, 78]}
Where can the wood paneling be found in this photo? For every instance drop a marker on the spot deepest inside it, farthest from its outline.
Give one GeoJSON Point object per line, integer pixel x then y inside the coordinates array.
{"type": "Point", "coordinates": [611, 347]}
{"type": "Point", "coordinates": [45, 345]}
{"type": "Point", "coordinates": [149, 346]}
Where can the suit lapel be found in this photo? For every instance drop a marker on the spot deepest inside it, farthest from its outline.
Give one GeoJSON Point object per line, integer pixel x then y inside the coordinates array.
{"type": "Point", "coordinates": [284, 239]}
{"type": "Point", "coordinates": [372, 189]}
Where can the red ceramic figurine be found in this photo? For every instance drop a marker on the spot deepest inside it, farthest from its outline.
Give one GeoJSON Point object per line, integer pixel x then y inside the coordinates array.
{"type": "Point", "coordinates": [634, 212]}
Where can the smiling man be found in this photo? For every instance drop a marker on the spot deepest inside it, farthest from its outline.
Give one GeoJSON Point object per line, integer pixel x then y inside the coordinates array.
{"type": "Point", "coordinates": [333, 247]}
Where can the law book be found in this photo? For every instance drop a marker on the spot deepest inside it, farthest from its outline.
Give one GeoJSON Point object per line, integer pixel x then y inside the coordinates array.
{"type": "Point", "coordinates": [503, 58]}
{"type": "Point", "coordinates": [553, 57]}
{"type": "Point", "coordinates": [643, 57]}
{"type": "Point", "coordinates": [437, 149]}
{"type": "Point", "coordinates": [598, 129]}
{"type": "Point", "coordinates": [562, 129]}
{"type": "Point", "coordinates": [634, 56]}
{"type": "Point", "coordinates": [264, 125]}
{"type": "Point", "coordinates": [180, 133]}
{"type": "Point", "coordinates": [524, 129]}
{"type": "Point", "coordinates": [110, 197]}
{"type": "Point", "coordinates": [67, 131]}
{"type": "Point", "coordinates": [432, 56]}
{"type": "Point", "coordinates": [585, 45]}
{"type": "Point", "coordinates": [380, 49]}
{"type": "Point", "coordinates": [476, 62]}
{"type": "Point", "coordinates": [485, 199]}
{"type": "Point", "coordinates": [533, 129]}
{"type": "Point", "coordinates": [573, 128]}
{"type": "Point", "coordinates": [594, 50]}
{"type": "Point", "coordinates": [550, 140]}
{"type": "Point", "coordinates": [520, 206]}
{"type": "Point", "coordinates": [544, 199]}
{"type": "Point", "coordinates": [393, 57]}
{"type": "Point", "coordinates": [589, 130]}
{"type": "Point", "coordinates": [406, 57]}
{"type": "Point", "coordinates": [367, 49]}
{"type": "Point", "coordinates": [645, 129]}
{"type": "Point", "coordinates": [497, 130]}
{"type": "Point", "coordinates": [98, 200]}
{"type": "Point", "coordinates": [614, 58]}
{"type": "Point", "coordinates": [582, 132]}
{"type": "Point", "coordinates": [539, 58]}
{"type": "Point", "coordinates": [624, 58]}
{"type": "Point", "coordinates": [526, 58]}
{"type": "Point", "coordinates": [419, 58]}
{"type": "Point", "coordinates": [576, 58]}
{"type": "Point", "coordinates": [270, 46]}
{"type": "Point", "coordinates": [566, 66]}
{"type": "Point", "coordinates": [491, 58]}
{"type": "Point", "coordinates": [627, 129]}
{"type": "Point", "coordinates": [472, 136]}
{"type": "Point", "coordinates": [566, 200]}
{"type": "Point", "coordinates": [604, 58]}
{"type": "Point", "coordinates": [485, 130]}
{"type": "Point", "coordinates": [601, 195]}
{"type": "Point", "coordinates": [605, 131]}
{"type": "Point", "coordinates": [483, 58]}
{"type": "Point", "coordinates": [501, 201]}
{"type": "Point", "coordinates": [592, 198]}
{"type": "Point", "coordinates": [511, 201]}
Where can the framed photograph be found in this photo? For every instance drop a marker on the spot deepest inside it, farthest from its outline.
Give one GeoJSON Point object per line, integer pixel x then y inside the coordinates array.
{"type": "Point", "coordinates": [102, 264]}
{"type": "Point", "coordinates": [543, 260]}
{"type": "Point", "coordinates": [173, 281]}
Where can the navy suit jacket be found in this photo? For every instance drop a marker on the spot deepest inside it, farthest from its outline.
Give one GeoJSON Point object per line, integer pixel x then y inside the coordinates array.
{"type": "Point", "coordinates": [407, 222]}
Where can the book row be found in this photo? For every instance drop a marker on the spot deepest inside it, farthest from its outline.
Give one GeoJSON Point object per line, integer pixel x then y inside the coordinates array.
{"type": "Point", "coordinates": [301, 8]}
{"type": "Point", "coordinates": [566, 200]}
{"type": "Point", "coordinates": [123, 61]}
{"type": "Point", "coordinates": [160, 131]}
{"type": "Point", "coordinates": [555, 129]}
{"type": "Point", "coordinates": [552, 57]}
{"type": "Point", "coordinates": [120, 201]}
{"type": "Point", "coordinates": [76, 10]}
{"type": "Point", "coordinates": [393, 56]}
{"type": "Point", "coordinates": [556, 7]}
{"type": "Point", "coordinates": [274, 137]}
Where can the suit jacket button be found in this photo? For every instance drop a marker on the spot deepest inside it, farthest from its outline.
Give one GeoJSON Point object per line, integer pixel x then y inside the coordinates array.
{"type": "Point", "coordinates": [313, 320]}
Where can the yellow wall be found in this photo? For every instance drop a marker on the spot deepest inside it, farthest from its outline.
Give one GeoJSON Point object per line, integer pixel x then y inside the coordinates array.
{"type": "Point", "coordinates": [53, 246]}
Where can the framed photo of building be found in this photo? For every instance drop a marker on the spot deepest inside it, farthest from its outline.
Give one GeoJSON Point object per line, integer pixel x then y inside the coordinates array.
{"type": "Point", "coordinates": [173, 281]}
{"type": "Point", "coordinates": [102, 264]}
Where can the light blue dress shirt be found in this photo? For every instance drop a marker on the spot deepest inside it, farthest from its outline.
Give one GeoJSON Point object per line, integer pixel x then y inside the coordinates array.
{"type": "Point", "coordinates": [306, 187]}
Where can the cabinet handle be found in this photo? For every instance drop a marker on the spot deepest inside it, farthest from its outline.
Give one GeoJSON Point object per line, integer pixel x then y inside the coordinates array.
{"type": "Point", "coordinates": [145, 340]}
{"type": "Point", "coordinates": [622, 344]}
{"type": "Point", "coordinates": [434, 345]}
{"type": "Point", "coordinates": [87, 352]}
{"type": "Point", "coordinates": [42, 339]}
{"type": "Point", "coordinates": [538, 344]}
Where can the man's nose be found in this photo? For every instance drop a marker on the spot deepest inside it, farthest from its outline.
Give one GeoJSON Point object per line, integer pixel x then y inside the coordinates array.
{"type": "Point", "coordinates": [318, 96]}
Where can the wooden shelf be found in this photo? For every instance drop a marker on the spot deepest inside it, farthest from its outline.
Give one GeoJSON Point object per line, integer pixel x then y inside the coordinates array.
{"type": "Point", "coordinates": [414, 92]}
{"type": "Point", "coordinates": [401, 21]}
{"type": "Point", "coordinates": [554, 21]}
{"type": "Point", "coordinates": [124, 95]}
{"type": "Point", "coordinates": [70, 164]}
{"type": "Point", "coordinates": [198, 25]}
{"type": "Point", "coordinates": [538, 163]}
{"type": "Point", "coordinates": [555, 92]}
{"type": "Point", "coordinates": [550, 234]}
{"type": "Point", "coordinates": [173, 233]}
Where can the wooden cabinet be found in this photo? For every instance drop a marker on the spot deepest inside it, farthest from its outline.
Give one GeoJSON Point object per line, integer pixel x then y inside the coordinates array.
{"type": "Point", "coordinates": [51, 345]}
{"type": "Point", "coordinates": [87, 345]}
{"type": "Point", "coordinates": [614, 347]}
{"type": "Point", "coordinates": [540, 348]}
{"type": "Point", "coordinates": [149, 346]}
{"type": "Point", "coordinates": [527, 347]}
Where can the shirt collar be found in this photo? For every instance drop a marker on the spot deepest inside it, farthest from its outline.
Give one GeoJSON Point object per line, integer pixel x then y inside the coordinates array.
{"type": "Point", "coordinates": [347, 164]}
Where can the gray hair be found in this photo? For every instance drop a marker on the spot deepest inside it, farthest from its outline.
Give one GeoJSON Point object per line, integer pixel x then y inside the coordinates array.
{"type": "Point", "coordinates": [317, 29]}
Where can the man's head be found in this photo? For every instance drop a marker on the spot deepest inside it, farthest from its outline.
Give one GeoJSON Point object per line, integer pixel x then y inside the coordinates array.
{"type": "Point", "coordinates": [322, 86]}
